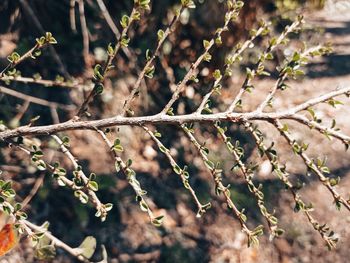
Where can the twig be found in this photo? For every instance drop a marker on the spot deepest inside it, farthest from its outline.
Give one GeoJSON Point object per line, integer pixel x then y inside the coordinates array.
{"type": "Point", "coordinates": [321, 128]}
{"type": "Point", "coordinates": [282, 77]}
{"type": "Point", "coordinates": [23, 57]}
{"type": "Point", "coordinates": [114, 28]}
{"type": "Point", "coordinates": [312, 166]}
{"type": "Point", "coordinates": [38, 182]}
{"type": "Point", "coordinates": [233, 57]}
{"type": "Point", "coordinates": [57, 242]}
{"type": "Point", "coordinates": [36, 100]}
{"type": "Point", "coordinates": [21, 111]}
{"type": "Point", "coordinates": [178, 170]}
{"type": "Point", "coordinates": [84, 106]}
{"type": "Point", "coordinates": [216, 175]}
{"type": "Point", "coordinates": [38, 25]}
{"type": "Point", "coordinates": [85, 32]}
{"type": "Point", "coordinates": [94, 199]}
{"type": "Point", "coordinates": [248, 176]}
{"type": "Point", "coordinates": [259, 64]}
{"type": "Point", "coordinates": [129, 175]}
{"type": "Point", "coordinates": [108, 18]}
{"type": "Point", "coordinates": [204, 56]}
{"type": "Point", "coordinates": [73, 24]}
{"type": "Point", "coordinates": [283, 175]}
{"type": "Point", "coordinates": [135, 89]}
{"type": "Point", "coordinates": [44, 82]}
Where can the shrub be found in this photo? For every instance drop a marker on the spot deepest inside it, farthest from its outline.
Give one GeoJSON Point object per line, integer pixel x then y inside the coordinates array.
{"type": "Point", "coordinates": [212, 112]}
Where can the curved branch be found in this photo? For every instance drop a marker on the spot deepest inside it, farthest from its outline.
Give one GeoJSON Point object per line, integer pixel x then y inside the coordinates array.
{"type": "Point", "coordinates": [166, 119]}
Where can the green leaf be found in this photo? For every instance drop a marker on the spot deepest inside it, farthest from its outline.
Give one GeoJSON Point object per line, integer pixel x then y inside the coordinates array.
{"type": "Point", "coordinates": [149, 73]}
{"type": "Point", "coordinates": [177, 169]}
{"type": "Point", "coordinates": [206, 44]}
{"type": "Point", "coordinates": [98, 72]}
{"type": "Point", "coordinates": [125, 41]}
{"type": "Point", "coordinates": [99, 88]}
{"type": "Point", "coordinates": [46, 252]}
{"type": "Point", "coordinates": [160, 34]}
{"type": "Point", "coordinates": [108, 207]}
{"type": "Point", "coordinates": [87, 247]}
{"type": "Point", "coordinates": [110, 50]}
{"type": "Point", "coordinates": [125, 21]}
{"type": "Point", "coordinates": [93, 186]}
{"type": "Point", "coordinates": [158, 221]}
{"type": "Point", "coordinates": [188, 4]}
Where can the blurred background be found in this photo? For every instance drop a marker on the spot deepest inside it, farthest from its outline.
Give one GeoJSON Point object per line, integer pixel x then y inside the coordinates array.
{"type": "Point", "coordinates": [127, 234]}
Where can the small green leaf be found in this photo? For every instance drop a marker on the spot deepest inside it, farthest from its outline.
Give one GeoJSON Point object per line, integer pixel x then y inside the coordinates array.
{"type": "Point", "coordinates": [160, 34]}
{"type": "Point", "coordinates": [93, 186]}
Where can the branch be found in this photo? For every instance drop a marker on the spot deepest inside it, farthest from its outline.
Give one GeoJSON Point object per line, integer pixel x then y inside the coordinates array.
{"type": "Point", "coordinates": [44, 82]}
{"type": "Point", "coordinates": [148, 66]}
{"type": "Point", "coordinates": [35, 100]}
{"type": "Point", "coordinates": [311, 165]}
{"type": "Point", "coordinates": [85, 32]}
{"type": "Point", "coordinates": [111, 56]}
{"type": "Point", "coordinates": [39, 26]}
{"type": "Point", "coordinates": [283, 74]}
{"type": "Point", "coordinates": [183, 174]}
{"type": "Point", "coordinates": [101, 209]}
{"type": "Point", "coordinates": [248, 175]}
{"type": "Point", "coordinates": [322, 129]}
{"type": "Point", "coordinates": [283, 175]}
{"type": "Point", "coordinates": [234, 56]}
{"type": "Point", "coordinates": [259, 67]}
{"type": "Point", "coordinates": [130, 175]}
{"type": "Point", "coordinates": [317, 100]}
{"type": "Point", "coordinates": [205, 56]}
{"type": "Point", "coordinates": [166, 119]}
{"type": "Point", "coordinates": [217, 177]}
{"type": "Point", "coordinates": [108, 18]}
{"type": "Point", "coordinates": [57, 242]}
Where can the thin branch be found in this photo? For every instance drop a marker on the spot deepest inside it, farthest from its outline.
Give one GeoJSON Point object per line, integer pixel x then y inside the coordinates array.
{"type": "Point", "coordinates": [45, 82]}
{"type": "Point", "coordinates": [129, 175]}
{"type": "Point", "coordinates": [283, 175]}
{"type": "Point", "coordinates": [56, 242]}
{"type": "Point", "coordinates": [73, 24]}
{"type": "Point", "coordinates": [36, 100]}
{"type": "Point", "coordinates": [183, 174]}
{"type": "Point", "coordinates": [321, 128]}
{"type": "Point", "coordinates": [39, 26]}
{"type": "Point", "coordinates": [170, 29]}
{"type": "Point", "coordinates": [49, 167]}
{"type": "Point", "coordinates": [312, 166]}
{"type": "Point", "coordinates": [28, 54]}
{"type": "Point", "coordinates": [283, 74]}
{"type": "Point", "coordinates": [114, 28]}
{"type": "Point", "coordinates": [317, 100]}
{"type": "Point", "coordinates": [233, 57]}
{"type": "Point", "coordinates": [85, 32]}
{"type": "Point", "coordinates": [259, 65]}
{"type": "Point", "coordinates": [248, 176]}
{"type": "Point", "coordinates": [94, 199]}
{"type": "Point", "coordinates": [84, 106]}
{"type": "Point", "coordinates": [216, 175]}
{"type": "Point", "coordinates": [204, 56]}
{"type": "Point", "coordinates": [38, 182]}
{"type": "Point", "coordinates": [21, 112]}
{"type": "Point", "coordinates": [108, 18]}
